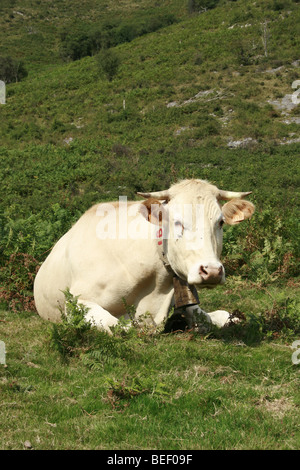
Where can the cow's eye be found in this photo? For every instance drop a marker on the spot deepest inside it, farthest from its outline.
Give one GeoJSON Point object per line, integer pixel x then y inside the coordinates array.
{"type": "Point", "coordinates": [221, 223]}
{"type": "Point", "coordinates": [178, 225]}
{"type": "Point", "coordinates": [178, 228]}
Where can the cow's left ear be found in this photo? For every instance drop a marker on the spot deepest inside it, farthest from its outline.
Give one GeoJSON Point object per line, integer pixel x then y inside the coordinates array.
{"type": "Point", "coordinates": [237, 210]}
{"type": "Point", "coordinates": [153, 210]}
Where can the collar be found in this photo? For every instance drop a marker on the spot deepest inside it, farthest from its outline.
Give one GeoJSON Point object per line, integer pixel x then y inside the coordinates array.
{"type": "Point", "coordinates": [162, 249]}
{"type": "Point", "coordinates": [184, 294]}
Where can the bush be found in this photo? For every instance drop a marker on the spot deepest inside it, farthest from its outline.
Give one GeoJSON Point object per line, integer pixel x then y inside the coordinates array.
{"type": "Point", "coordinates": [75, 47]}
{"type": "Point", "coordinates": [71, 334]}
{"type": "Point", "coordinates": [75, 336]}
{"type": "Point", "coordinates": [17, 276]}
{"type": "Point", "coordinates": [108, 63]}
{"type": "Point", "coordinates": [263, 249]}
{"type": "Point", "coordinates": [11, 70]}
{"type": "Point", "coordinates": [84, 42]}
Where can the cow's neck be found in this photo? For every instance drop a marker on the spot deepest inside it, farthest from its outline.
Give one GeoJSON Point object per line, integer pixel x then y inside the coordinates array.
{"type": "Point", "coordinates": [184, 294]}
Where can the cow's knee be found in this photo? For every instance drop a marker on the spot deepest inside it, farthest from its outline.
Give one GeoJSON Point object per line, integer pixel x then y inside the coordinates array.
{"type": "Point", "coordinates": [98, 316]}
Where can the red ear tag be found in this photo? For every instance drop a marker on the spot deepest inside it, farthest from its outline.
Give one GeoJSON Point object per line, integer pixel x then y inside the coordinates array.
{"type": "Point", "coordinates": [159, 235]}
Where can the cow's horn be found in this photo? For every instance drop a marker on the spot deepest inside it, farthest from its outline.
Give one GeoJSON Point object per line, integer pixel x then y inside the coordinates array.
{"type": "Point", "coordinates": [161, 195]}
{"type": "Point", "coordinates": [227, 195]}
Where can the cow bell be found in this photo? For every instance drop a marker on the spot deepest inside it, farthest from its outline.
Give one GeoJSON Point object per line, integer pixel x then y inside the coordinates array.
{"type": "Point", "coordinates": [185, 295]}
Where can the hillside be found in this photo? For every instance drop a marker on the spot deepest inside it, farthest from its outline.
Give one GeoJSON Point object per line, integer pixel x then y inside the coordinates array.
{"type": "Point", "coordinates": [31, 29]}
{"type": "Point", "coordinates": [208, 96]}
{"type": "Point", "coordinates": [203, 79]}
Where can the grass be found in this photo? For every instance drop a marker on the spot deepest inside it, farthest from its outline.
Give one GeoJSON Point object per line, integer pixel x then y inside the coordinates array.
{"type": "Point", "coordinates": [173, 391]}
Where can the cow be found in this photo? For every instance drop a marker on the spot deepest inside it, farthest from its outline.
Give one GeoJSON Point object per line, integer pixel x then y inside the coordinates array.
{"type": "Point", "coordinates": [128, 253]}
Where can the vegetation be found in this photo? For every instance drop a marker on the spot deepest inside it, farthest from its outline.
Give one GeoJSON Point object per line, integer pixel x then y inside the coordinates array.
{"type": "Point", "coordinates": [136, 390]}
{"type": "Point", "coordinates": [76, 45]}
{"type": "Point", "coordinates": [200, 6]}
{"type": "Point", "coordinates": [11, 70]}
{"type": "Point", "coordinates": [149, 95]}
{"type": "Point", "coordinates": [108, 63]}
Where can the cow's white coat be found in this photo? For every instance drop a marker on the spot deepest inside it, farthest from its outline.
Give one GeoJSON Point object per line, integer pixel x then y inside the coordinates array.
{"type": "Point", "coordinates": [103, 271]}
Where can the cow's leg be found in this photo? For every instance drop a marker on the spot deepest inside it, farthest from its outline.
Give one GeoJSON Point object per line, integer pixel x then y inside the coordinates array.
{"type": "Point", "coordinates": [98, 316]}
{"type": "Point", "coordinates": [195, 315]}
{"type": "Point", "coordinates": [220, 317]}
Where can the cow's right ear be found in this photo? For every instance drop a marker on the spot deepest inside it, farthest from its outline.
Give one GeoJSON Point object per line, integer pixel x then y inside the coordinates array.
{"type": "Point", "coordinates": [153, 211]}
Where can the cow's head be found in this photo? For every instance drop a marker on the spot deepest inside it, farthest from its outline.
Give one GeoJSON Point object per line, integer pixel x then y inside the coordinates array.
{"type": "Point", "coordinates": [192, 218]}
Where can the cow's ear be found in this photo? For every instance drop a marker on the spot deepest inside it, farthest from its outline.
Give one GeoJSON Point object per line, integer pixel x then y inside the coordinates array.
{"type": "Point", "coordinates": [237, 210]}
{"type": "Point", "coordinates": [153, 210]}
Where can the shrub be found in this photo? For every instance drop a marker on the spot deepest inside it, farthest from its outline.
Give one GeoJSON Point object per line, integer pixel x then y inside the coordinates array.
{"type": "Point", "coordinates": [206, 126]}
{"type": "Point", "coordinates": [75, 47]}
{"type": "Point", "coordinates": [75, 336]}
{"type": "Point", "coordinates": [71, 334]}
{"type": "Point", "coordinates": [283, 318]}
{"type": "Point", "coordinates": [11, 70]}
{"type": "Point", "coordinates": [17, 276]}
{"type": "Point", "coordinates": [263, 249]}
{"type": "Point", "coordinates": [108, 63]}
{"type": "Point", "coordinates": [83, 42]}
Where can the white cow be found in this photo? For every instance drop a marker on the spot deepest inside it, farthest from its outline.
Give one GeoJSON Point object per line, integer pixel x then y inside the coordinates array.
{"type": "Point", "coordinates": [132, 251]}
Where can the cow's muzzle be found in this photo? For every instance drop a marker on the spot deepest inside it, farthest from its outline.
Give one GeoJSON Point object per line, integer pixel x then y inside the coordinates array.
{"type": "Point", "coordinates": [211, 274]}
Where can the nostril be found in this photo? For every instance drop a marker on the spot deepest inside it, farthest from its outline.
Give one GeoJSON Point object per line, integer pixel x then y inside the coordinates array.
{"type": "Point", "coordinates": [211, 273]}
{"type": "Point", "coordinates": [203, 271]}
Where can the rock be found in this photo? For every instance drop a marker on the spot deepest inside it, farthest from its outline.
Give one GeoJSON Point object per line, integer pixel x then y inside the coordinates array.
{"type": "Point", "coordinates": [274, 70]}
{"type": "Point", "coordinates": [292, 120]}
{"type": "Point", "coordinates": [173, 104]}
{"type": "Point", "coordinates": [27, 445]}
{"type": "Point", "coordinates": [290, 141]}
{"type": "Point", "coordinates": [285, 104]}
{"type": "Point", "coordinates": [243, 143]}
{"type": "Point", "coordinates": [181, 129]}
{"type": "Point", "coordinates": [68, 140]}
{"type": "Point", "coordinates": [200, 95]}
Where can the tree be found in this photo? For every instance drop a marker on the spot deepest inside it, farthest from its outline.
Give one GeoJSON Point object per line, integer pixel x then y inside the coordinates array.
{"type": "Point", "coordinates": [108, 63]}
{"type": "Point", "coordinates": [199, 6]}
{"type": "Point", "coordinates": [11, 70]}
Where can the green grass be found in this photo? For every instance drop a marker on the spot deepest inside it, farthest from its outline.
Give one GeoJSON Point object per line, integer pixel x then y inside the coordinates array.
{"type": "Point", "coordinates": [176, 391]}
